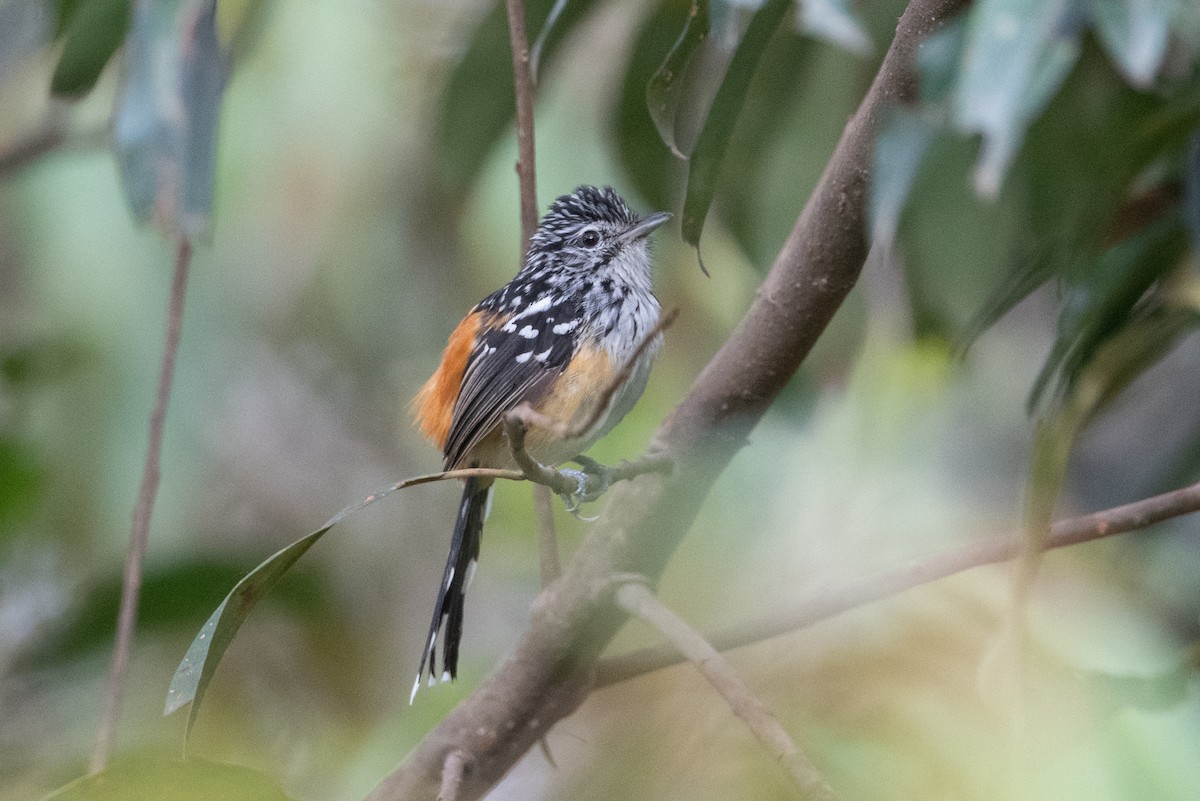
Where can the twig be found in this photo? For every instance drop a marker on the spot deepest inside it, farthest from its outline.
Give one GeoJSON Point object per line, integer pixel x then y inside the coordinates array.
{"type": "Point", "coordinates": [824, 604]}
{"type": "Point", "coordinates": [636, 599]}
{"type": "Point", "coordinates": [549, 564]}
{"type": "Point", "coordinates": [523, 86]}
{"type": "Point", "coordinates": [140, 529]}
{"type": "Point", "coordinates": [452, 774]}
{"type": "Point", "coordinates": [30, 148]}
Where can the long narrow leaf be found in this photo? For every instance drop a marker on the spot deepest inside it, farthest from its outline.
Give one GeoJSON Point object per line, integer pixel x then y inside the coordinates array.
{"type": "Point", "coordinates": [722, 117]}
{"type": "Point", "coordinates": [195, 672]}
{"type": "Point", "coordinates": [663, 92]}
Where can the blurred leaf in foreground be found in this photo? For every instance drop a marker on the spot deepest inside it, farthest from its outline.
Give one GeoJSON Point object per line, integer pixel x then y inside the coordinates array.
{"type": "Point", "coordinates": [166, 779]}
{"type": "Point", "coordinates": [92, 30]}
{"type": "Point", "coordinates": [165, 132]}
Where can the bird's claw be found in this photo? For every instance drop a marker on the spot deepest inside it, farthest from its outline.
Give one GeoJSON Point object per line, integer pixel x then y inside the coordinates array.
{"type": "Point", "coordinates": [590, 483]}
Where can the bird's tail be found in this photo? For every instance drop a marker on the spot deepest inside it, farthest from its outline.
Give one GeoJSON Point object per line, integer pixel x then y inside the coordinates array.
{"type": "Point", "coordinates": [460, 567]}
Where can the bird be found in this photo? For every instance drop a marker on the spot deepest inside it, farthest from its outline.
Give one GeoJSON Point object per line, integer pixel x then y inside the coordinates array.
{"type": "Point", "coordinates": [555, 337]}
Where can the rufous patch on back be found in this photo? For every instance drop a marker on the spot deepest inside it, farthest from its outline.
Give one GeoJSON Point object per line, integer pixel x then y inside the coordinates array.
{"type": "Point", "coordinates": [433, 406]}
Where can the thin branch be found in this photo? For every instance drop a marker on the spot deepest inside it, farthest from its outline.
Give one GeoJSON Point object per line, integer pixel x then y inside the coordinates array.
{"type": "Point", "coordinates": [30, 148]}
{"type": "Point", "coordinates": [636, 599]}
{"type": "Point", "coordinates": [523, 86]}
{"type": "Point", "coordinates": [452, 774]}
{"type": "Point", "coordinates": [140, 529]}
{"type": "Point", "coordinates": [549, 563]}
{"type": "Point", "coordinates": [823, 604]}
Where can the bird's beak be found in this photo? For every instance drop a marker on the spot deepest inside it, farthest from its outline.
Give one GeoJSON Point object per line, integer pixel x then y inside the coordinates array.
{"type": "Point", "coordinates": [645, 225]}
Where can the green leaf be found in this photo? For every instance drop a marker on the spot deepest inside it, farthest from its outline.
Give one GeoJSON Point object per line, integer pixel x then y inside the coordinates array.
{"type": "Point", "coordinates": [1191, 189]}
{"type": "Point", "coordinates": [165, 131]}
{"type": "Point", "coordinates": [938, 60]}
{"type": "Point", "coordinates": [1135, 34]}
{"type": "Point", "coordinates": [167, 779]}
{"type": "Point", "coordinates": [664, 90]}
{"type": "Point", "coordinates": [648, 165]}
{"type": "Point", "coordinates": [478, 105]}
{"type": "Point", "coordinates": [899, 150]}
{"type": "Point", "coordinates": [710, 150]}
{"type": "Point", "coordinates": [195, 671]}
{"type": "Point", "coordinates": [22, 477]}
{"type": "Point", "coordinates": [535, 52]}
{"type": "Point", "coordinates": [835, 21]}
{"type": "Point", "coordinates": [1017, 54]}
{"type": "Point", "coordinates": [94, 29]}
{"type": "Point", "coordinates": [1101, 301]}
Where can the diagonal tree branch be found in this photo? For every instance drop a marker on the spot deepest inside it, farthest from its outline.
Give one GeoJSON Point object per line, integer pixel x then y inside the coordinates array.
{"type": "Point", "coordinates": [635, 597]}
{"type": "Point", "coordinates": [550, 671]}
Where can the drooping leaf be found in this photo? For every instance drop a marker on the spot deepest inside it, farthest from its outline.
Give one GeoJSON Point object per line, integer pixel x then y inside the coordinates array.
{"type": "Point", "coordinates": [664, 90]}
{"type": "Point", "coordinates": [1191, 189]}
{"type": "Point", "coordinates": [939, 60]}
{"type": "Point", "coordinates": [899, 150]}
{"type": "Point", "coordinates": [478, 105]}
{"type": "Point", "coordinates": [1102, 300]}
{"type": "Point", "coordinates": [1017, 54]}
{"type": "Point", "coordinates": [535, 51]}
{"type": "Point", "coordinates": [94, 29]}
{"type": "Point", "coordinates": [195, 671]}
{"type": "Point", "coordinates": [1135, 34]}
{"type": "Point", "coordinates": [654, 172]}
{"type": "Point", "coordinates": [835, 21]}
{"type": "Point", "coordinates": [168, 779]}
{"type": "Point", "coordinates": [705, 164]}
{"type": "Point", "coordinates": [165, 131]}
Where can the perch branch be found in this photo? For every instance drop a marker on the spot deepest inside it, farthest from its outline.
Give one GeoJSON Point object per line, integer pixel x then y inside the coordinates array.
{"type": "Point", "coordinates": [636, 598]}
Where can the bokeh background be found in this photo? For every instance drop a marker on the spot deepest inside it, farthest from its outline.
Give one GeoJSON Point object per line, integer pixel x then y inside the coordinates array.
{"type": "Point", "coordinates": [341, 255]}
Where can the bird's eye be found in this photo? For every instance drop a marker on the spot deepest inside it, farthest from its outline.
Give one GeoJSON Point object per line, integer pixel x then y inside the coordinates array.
{"type": "Point", "coordinates": [590, 238]}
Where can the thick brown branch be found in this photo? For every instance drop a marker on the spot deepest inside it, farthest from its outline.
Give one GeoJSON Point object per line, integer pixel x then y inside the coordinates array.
{"type": "Point", "coordinates": [550, 671]}
{"type": "Point", "coordinates": [140, 530]}
{"type": "Point", "coordinates": [826, 603]}
{"type": "Point", "coordinates": [636, 598]}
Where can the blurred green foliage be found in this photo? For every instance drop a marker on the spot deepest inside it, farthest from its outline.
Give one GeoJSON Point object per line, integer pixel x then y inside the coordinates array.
{"type": "Point", "coordinates": [1038, 203]}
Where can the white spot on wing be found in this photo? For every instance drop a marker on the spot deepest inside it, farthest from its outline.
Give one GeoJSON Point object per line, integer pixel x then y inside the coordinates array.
{"type": "Point", "coordinates": [529, 332]}
{"type": "Point", "coordinates": [541, 357]}
{"type": "Point", "coordinates": [539, 305]}
{"type": "Point", "coordinates": [524, 357]}
{"type": "Point", "coordinates": [563, 328]}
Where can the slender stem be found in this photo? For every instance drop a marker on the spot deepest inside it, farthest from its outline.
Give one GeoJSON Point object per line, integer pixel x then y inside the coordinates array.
{"type": "Point", "coordinates": [523, 86]}
{"type": "Point", "coordinates": [29, 148]}
{"type": "Point", "coordinates": [827, 603]}
{"type": "Point", "coordinates": [636, 599]}
{"type": "Point", "coordinates": [140, 529]}
{"type": "Point", "coordinates": [549, 563]}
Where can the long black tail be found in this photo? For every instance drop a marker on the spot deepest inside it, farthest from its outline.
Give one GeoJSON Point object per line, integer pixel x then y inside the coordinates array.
{"type": "Point", "coordinates": [460, 565]}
